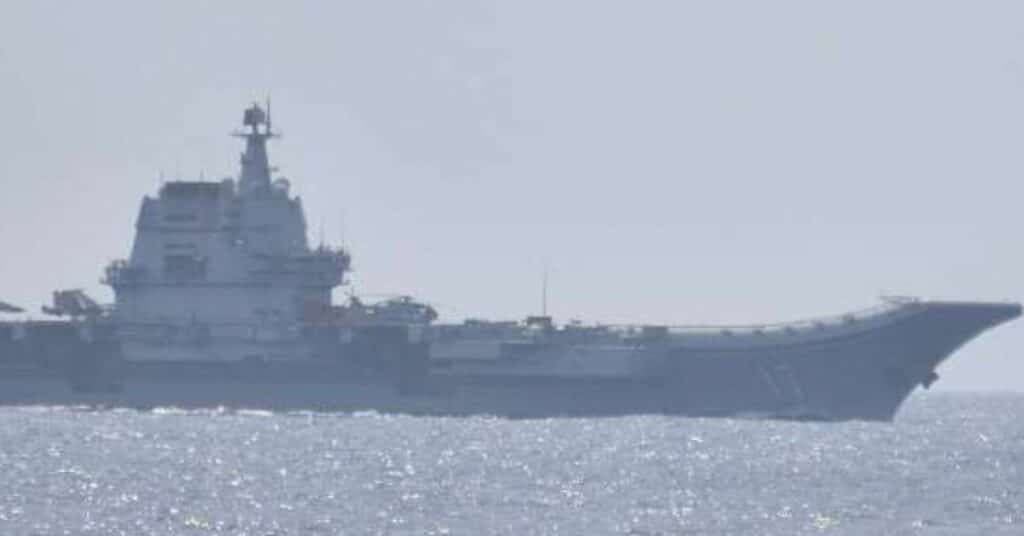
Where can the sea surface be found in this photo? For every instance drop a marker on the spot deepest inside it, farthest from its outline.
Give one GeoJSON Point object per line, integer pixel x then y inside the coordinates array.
{"type": "Point", "coordinates": [950, 464]}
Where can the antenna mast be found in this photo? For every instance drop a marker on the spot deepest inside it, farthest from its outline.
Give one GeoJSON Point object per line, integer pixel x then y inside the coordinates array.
{"type": "Point", "coordinates": [544, 292]}
{"type": "Point", "coordinates": [255, 175]}
{"type": "Point", "coordinates": [269, 129]}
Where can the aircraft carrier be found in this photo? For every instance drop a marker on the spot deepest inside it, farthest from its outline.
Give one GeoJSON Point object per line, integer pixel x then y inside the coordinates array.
{"type": "Point", "coordinates": [224, 303]}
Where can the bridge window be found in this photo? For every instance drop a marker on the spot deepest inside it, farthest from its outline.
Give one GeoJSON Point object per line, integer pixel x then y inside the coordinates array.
{"type": "Point", "coordinates": [180, 217]}
{"type": "Point", "coordinates": [180, 246]}
{"type": "Point", "coordinates": [184, 267]}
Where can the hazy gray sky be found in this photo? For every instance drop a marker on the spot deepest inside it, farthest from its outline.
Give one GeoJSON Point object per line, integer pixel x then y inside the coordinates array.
{"type": "Point", "coordinates": [674, 162]}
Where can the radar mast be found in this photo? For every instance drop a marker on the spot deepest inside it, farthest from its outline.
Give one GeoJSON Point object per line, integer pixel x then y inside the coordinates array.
{"type": "Point", "coordinates": [255, 175]}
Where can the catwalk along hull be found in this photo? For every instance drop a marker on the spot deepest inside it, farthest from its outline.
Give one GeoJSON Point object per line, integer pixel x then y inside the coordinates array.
{"type": "Point", "coordinates": [835, 375]}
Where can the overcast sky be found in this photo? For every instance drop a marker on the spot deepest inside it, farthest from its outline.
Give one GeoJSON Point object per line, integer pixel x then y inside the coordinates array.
{"type": "Point", "coordinates": [671, 161]}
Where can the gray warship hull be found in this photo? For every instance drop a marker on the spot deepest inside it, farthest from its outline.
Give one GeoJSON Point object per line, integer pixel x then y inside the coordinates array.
{"type": "Point", "coordinates": [223, 302]}
{"type": "Point", "coordinates": [824, 373]}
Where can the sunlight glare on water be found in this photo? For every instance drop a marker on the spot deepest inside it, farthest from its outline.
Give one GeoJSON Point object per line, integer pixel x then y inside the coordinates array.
{"type": "Point", "coordinates": [950, 464]}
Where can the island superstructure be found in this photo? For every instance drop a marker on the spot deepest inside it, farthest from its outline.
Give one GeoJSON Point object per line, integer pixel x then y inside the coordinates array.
{"type": "Point", "coordinates": [223, 302]}
{"type": "Point", "coordinates": [223, 270]}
